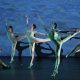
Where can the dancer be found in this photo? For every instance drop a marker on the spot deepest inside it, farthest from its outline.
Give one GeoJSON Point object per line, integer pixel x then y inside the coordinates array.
{"type": "Point", "coordinates": [54, 36]}
{"type": "Point", "coordinates": [4, 66]}
{"type": "Point", "coordinates": [32, 40]}
{"type": "Point", "coordinates": [13, 38]}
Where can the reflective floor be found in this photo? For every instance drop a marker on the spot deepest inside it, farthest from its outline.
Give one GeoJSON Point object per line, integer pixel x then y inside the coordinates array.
{"type": "Point", "coordinates": [69, 69]}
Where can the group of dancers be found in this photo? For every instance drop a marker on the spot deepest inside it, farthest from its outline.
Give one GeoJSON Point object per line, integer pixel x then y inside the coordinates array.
{"type": "Point", "coordinates": [52, 35]}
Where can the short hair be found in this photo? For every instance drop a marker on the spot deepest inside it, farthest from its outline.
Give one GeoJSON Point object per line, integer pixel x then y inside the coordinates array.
{"type": "Point", "coordinates": [10, 27]}
{"type": "Point", "coordinates": [55, 25]}
{"type": "Point", "coordinates": [34, 26]}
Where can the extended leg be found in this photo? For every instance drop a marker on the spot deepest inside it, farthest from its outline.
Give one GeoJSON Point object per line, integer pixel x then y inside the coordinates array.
{"type": "Point", "coordinates": [70, 36]}
{"type": "Point", "coordinates": [39, 40]}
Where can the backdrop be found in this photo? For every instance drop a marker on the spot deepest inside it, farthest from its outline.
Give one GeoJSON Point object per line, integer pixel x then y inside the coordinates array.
{"type": "Point", "coordinates": [65, 12]}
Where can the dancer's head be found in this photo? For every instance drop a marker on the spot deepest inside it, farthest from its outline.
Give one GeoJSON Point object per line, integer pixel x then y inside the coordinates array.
{"type": "Point", "coordinates": [54, 26]}
{"type": "Point", "coordinates": [34, 26]}
{"type": "Point", "coordinates": [10, 29]}
{"type": "Point", "coordinates": [17, 36]}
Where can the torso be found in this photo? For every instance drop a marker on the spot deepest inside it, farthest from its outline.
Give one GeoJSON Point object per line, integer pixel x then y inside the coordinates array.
{"type": "Point", "coordinates": [30, 36]}
{"type": "Point", "coordinates": [54, 37]}
{"type": "Point", "coordinates": [11, 36]}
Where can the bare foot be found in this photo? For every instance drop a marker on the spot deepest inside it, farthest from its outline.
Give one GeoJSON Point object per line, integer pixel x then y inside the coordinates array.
{"type": "Point", "coordinates": [30, 66]}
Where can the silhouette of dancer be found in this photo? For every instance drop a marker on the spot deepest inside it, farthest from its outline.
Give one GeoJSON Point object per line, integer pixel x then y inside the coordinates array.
{"type": "Point", "coordinates": [39, 48]}
{"type": "Point", "coordinates": [21, 48]}
{"type": "Point", "coordinates": [11, 35]}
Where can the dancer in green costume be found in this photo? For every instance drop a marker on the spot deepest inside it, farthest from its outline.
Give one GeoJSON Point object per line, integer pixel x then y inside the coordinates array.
{"type": "Point", "coordinates": [54, 36]}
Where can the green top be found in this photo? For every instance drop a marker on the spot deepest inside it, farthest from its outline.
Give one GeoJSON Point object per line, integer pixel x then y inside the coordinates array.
{"type": "Point", "coordinates": [54, 36]}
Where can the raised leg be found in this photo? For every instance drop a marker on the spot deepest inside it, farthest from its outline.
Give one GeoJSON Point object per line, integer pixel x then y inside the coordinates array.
{"type": "Point", "coordinates": [39, 40]}
{"type": "Point", "coordinates": [70, 36]}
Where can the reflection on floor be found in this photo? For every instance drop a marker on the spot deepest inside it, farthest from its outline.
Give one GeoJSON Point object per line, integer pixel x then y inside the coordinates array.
{"type": "Point", "coordinates": [69, 69]}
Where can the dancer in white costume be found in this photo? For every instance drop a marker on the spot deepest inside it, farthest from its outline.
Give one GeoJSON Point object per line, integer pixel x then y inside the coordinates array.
{"type": "Point", "coordinates": [33, 40]}
{"type": "Point", "coordinates": [12, 37]}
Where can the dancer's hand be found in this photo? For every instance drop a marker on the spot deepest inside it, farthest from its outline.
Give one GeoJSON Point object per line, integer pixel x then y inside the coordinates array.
{"type": "Point", "coordinates": [26, 19]}
{"type": "Point", "coordinates": [30, 66]}
{"type": "Point", "coordinates": [6, 22]}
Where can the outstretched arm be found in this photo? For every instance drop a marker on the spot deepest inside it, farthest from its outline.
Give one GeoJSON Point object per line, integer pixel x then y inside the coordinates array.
{"type": "Point", "coordinates": [19, 33]}
{"type": "Point", "coordinates": [21, 37]}
{"type": "Point", "coordinates": [6, 24]}
{"type": "Point", "coordinates": [40, 33]}
{"type": "Point", "coordinates": [27, 20]}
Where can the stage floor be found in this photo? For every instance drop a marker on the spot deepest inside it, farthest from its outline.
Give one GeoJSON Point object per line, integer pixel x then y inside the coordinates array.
{"type": "Point", "coordinates": [69, 69]}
